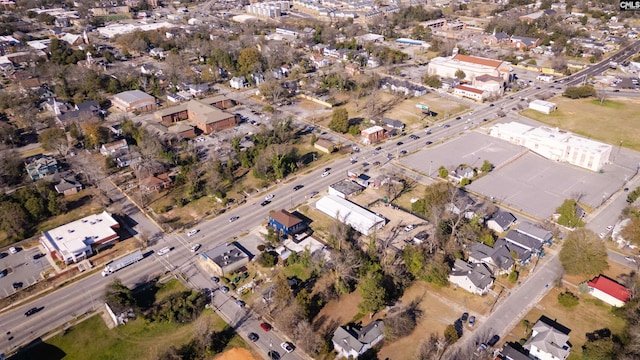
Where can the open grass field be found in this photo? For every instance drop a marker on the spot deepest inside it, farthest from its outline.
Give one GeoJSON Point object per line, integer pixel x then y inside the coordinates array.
{"type": "Point", "coordinates": [138, 339]}
{"type": "Point", "coordinates": [614, 122]}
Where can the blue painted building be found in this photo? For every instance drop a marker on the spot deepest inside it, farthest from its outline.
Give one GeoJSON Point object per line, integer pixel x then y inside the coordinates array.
{"type": "Point", "coordinates": [285, 223]}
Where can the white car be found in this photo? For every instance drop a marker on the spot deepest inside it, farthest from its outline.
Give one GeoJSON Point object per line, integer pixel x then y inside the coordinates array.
{"type": "Point", "coordinates": [325, 174]}
{"type": "Point", "coordinates": [269, 197]}
{"type": "Point", "coordinates": [286, 346]}
{"type": "Point", "coordinates": [195, 248]}
{"type": "Point", "coordinates": [163, 251]}
{"type": "Point", "coordinates": [610, 227]}
{"type": "Point", "coordinates": [602, 235]}
{"type": "Point", "coordinates": [13, 250]}
{"type": "Point", "coordinates": [630, 259]}
{"type": "Point", "coordinates": [409, 228]}
{"type": "Point", "coordinates": [192, 232]}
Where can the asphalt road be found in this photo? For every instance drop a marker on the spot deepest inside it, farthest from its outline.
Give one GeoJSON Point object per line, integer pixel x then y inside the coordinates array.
{"type": "Point", "coordinates": [61, 306]}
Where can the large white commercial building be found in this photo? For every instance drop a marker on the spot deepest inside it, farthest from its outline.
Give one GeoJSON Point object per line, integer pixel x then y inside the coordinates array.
{"type": "Point", "coordinates": [74, 241]}
{"type": "Point", "coordinates": [352, 214]}
{"type": "Point", "coordinates": [472, 66]}
{"type": "Point", "coordinates": [113, 30]}
{"type": "Point", "coordinates": [555, 144]}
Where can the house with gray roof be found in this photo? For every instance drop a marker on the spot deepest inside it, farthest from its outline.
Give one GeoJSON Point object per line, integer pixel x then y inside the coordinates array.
{"type": "Point", "coordinates": [350, 342]}
{"type": "Point", "coordinates": [524, 241]}
{"type": "Point", "coordinates": [548, 341]}
{"type": "Point", "coordinates": [498, 258]}
{"type": "Point", "coordinates": [474, 278]}
{"type": "Point", "coordinates": [41, 166]}
{"type": "Point", "coordinates": [536, 232]}
{"type": "Point", "coordinates": [519, 254]}
{"type": "Point", "coordinates": [501, 221]}
{"type": "Point", "coordinates": [224, 259]}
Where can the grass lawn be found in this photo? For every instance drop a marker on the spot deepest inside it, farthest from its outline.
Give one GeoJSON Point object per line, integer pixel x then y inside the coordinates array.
{"type": "Point", "coordinates": [589, 315]}
{"type": "Point", "coordinates": [31, 152]}
{"type": "Point", "coordinates": [613, 122]}
{"type": "Point", "coordinates": [138, 339]}
{"type": "Point", "coordinates": [298, 271]}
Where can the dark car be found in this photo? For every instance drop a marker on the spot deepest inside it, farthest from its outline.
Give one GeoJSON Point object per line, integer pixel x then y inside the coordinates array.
{"type": "Point", "coordinates": [376, 163]}
{"type": "Point", "coordinates": [378, 148]}
{"type": "Point", "coordinates": [429, 142]}
{"type": "Point", "coordinates": [472, 321]}
{"type": "Point", "coordinates": [3, 273]}
{"type": "Point", "coordinates": [215, 279]}
{"type": "Point", "coordinates": [234, 218]}
{"type": "Point", "coordinates": [253, 337]}
{"type": "Point", "coordinates": [459, 118]}
{"type": "Point", "coordinates": [38, 256]}
{"type": "Point", "coordinates": [494, 340]}
{"type": "Point", "coordinates": [399, 143]}
{"type": "Point", "coordinates": [465, 317]}
{"type": "Point", "coordinates": [265, 203]}
{"type": "Point", "coordinates": [240, 303]}
{"type": "Point", "coordinates": [327, 169]}
{"type": "Point", "coordinates": [32, 311]}
{"type": "Point", "coordinates": [224, 289]}
{"type": "Point", "coordinates": [17, 285]}
{"type": "Point", "coordinates": [3, 255]}
{"type": "Point", "coordinates": [265, 326]}
{"type": "Point", "coordinates": [491, 105]}
{"type": "Point", "coordinates": [273, 355]}
{"type": "Point", "coordinates": [297, 187]}
{"type": "Point", "coordinates": [403, 152]}
{"type": "Point", "coordinates": [447, 125]}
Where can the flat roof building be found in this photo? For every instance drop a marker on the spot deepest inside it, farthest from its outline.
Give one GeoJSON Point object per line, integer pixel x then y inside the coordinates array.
{"type": "Point", "coordinates": [224, 259]}
{"type": "Point", "coordinates": [555, 144]}
{"type": "Point", "coordinates": [542, 106]}
{"type": "Point", "coordinates": [206, 114]}
{"type": "Point", "coordinates": [134, 100]}
{"type": "Point", "coordinates": [472, 66]}
{"type": "Point", "coordinates": [74, 242]}
{"type": "Point", "coordinates": [352, 214]}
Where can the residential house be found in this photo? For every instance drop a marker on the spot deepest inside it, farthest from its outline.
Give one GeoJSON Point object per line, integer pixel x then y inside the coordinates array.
{"type": "Point", "coordinates": [501, 221]}
{"type": "Point", "coordinates": [513, 352]}
{"type": "Point", "coordinates": [114, 147]}
{"type": "Point", "coordinates": [609, 291]}
{"type": "Point", "coordinates": [536, 232]}
{"type": "Point", "coordinates": [198, 89]}
{"type": "Point", "coordinates": [463, 203]}
{"type": "Point", "coordinates": [116, 129]}
{"type": "Point", "coordinates": [325, 145]}
{"type": "Point", "coordinates": [81, 112]}
{"type": "Point", "coordinates": [126, 158]}
{"type": "Point", "coordinates": [403, 86]}
{"type": "Point", "coordinates": [524, 43]}
{"type": "Point", "coordinates": [41, 166]}
{"type": "Point", "coordinates": [549, 340]}
{"type": "Point", "coordinates": [55, 106]}
{"type": "Point", "coordinates": [224, 259]}
{"type": "Point", "coordinates": [498, 258]}
{"type": "Point", "coordinates": [285, 223]}
{"type": "Point", "coordinates": [258, 79]}
{"type": "Point", "coordinates": [72, 39]}
{"type": "Point", "coordinates": [68, 186]}
{"type": "Point", "coordinates": [238, 82]}
{"type": "Point", "coordinates": [156, 182]}
{"type": "Point", "coordinates": [347, 188]}
{"type": "Point", "coordinates": [474, 278]}
{"type": "Point", "coordinates": [350, 342]}
{"type": "Point", "coordinates": [392, 123]}
{"type": "Point", "coordinates": [374, 134]}
{"type": "Point", "coordinates": [158, 53]}
{"type": "Point", "coordinates": [462, 172]}
{"type": "Point", "coordinates": [524, 241]}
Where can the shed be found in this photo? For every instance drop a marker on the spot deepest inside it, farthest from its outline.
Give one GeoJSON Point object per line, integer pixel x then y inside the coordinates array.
{"type": "Point", "coordinates": [545, 107]}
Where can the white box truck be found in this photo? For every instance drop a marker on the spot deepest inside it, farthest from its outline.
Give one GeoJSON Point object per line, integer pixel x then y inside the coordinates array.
{"type": "Point", "coordinates": [116, 265]}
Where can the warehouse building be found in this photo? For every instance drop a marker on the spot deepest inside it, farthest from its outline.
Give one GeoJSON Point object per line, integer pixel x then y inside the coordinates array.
{"type": "Point", "coordinates": [352, 214]}
{"type": "Point", "coordinates": [472, 66]}
{"type": "Point", "coordinates": [542, 106]}
{"type": "Point", "coordinates": [133, 100]}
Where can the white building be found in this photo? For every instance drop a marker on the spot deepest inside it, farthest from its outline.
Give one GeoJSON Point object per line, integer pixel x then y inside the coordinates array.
{"type": "Point", "coordinates": [74, 242]}
{"type": "Point", "coordinates": [545, 107]}
{"type": "Point", "coordinates": [352, 214]}
{"type": "Point", "coordinates": [469, 92]}
{"type": "Point", "coordinates": [113, 30]}
{"type": "Point", "coordinates": [472, 66]}
{"type": "Point", "coordinates": [547, 343]}
{"type": "Point", "coordinates": [555, 144]}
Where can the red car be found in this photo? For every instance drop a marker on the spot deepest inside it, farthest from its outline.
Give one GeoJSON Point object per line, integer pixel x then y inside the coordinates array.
{"type": "Point", "coordinates": [265, 326]}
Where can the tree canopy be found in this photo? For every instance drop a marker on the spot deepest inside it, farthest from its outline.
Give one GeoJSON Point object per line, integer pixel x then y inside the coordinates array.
{"type": "Point", "coordinates": [569, 214]}
{"type": "Point", "coordinates": [339, 120]}
{"type": "Point", "coordinates": [583, 253]}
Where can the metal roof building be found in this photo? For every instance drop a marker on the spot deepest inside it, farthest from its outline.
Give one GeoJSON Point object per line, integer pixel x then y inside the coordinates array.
{"type": "Point", "coordinates": [352, 214]}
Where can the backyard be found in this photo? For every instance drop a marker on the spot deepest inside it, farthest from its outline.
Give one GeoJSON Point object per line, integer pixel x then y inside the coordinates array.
{"type": "Point", "coordinates": [613, 122]}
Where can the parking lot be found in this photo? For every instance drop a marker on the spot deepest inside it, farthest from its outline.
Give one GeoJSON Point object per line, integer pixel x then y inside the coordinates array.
{"type": "Point", "coordinates": [21, 268]}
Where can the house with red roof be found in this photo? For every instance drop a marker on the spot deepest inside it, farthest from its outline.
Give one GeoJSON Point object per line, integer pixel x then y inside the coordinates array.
{"type": "Point", "coordinates": [609, 291]}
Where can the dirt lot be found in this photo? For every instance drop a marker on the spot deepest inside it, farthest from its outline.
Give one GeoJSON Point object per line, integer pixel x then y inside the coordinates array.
{"type": "Point", "coordinates": [588, 118]}
{"type": "Point", "coordinates": [235, 354]}
{"type": "Point", "coordinates": [407, 112]}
